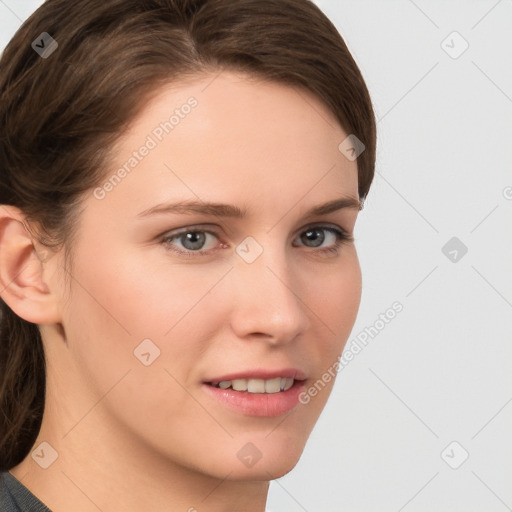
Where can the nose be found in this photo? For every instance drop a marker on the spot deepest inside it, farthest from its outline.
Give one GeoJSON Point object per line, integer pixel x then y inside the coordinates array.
{"type": "Point", "coordinates": [266, 299]}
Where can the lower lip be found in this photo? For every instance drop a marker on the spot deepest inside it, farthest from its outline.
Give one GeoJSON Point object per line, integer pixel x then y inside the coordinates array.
{"type": "Point", "coordinates": [265, 405]}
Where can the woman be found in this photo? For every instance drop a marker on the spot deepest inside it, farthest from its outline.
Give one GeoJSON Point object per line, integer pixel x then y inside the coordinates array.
{"type": "Point", "coordinates": [180, 182]}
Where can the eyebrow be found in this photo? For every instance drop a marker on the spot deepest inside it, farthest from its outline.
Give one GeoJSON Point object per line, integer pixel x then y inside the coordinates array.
{"type": "Point", "coordinates": [232, 211]}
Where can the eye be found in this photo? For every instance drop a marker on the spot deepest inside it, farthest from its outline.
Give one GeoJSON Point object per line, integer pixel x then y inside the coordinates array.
{"type": "Point", "coordinates": [194, 239]}
{"type": "Point", "coordinates": [315, 235]}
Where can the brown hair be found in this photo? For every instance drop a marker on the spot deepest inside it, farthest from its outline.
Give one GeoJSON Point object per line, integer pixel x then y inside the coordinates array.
{"type": "Point", "coordinates": [60, 116]}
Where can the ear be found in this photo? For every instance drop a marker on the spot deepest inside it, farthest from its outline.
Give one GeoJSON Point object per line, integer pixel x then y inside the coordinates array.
{"type": "Point", "coordinates": [22, 271]}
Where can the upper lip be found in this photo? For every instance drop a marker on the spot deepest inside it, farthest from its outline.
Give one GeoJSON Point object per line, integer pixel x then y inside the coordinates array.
{"type": "Point", "coordinates": [259, 373]}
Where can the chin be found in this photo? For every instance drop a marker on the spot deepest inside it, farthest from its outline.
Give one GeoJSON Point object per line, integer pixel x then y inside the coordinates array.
{"type": "Point", "coordinates": [262, 471]}
{"type": "Point", "coordinates": [270, 463]}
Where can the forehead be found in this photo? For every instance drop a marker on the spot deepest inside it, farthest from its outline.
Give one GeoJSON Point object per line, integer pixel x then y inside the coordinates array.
{"type": "Point", "coordinates": [228, 136]}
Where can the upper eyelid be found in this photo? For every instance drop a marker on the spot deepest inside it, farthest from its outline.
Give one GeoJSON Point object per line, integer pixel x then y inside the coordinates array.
{"type": "Point", "coordinates": [342, 234]}
{"type": "Point", "coordinates": [210, 230]}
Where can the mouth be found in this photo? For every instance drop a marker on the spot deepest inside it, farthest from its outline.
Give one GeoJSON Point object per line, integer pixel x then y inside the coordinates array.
{"type": "Point", "coordinates": [270, 386]}
{"type": "Point", "coordinates": [258, 393]}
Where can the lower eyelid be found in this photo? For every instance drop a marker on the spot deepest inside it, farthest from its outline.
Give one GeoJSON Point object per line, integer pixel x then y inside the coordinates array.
{"type": "Point", "coordinates": [340, 234]}
{"type": "Point", "coordinates": [176, 236]}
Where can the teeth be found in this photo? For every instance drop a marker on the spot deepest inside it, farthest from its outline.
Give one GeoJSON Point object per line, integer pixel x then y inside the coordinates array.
{"type": "Point", "coordinates": [239, 384]}
{"type": "Point", "coordinates": [273, 385]}
{"type": "Point", "coordinates": [257, 385]}
{"type": "Point", "coordinates": [286, 384]}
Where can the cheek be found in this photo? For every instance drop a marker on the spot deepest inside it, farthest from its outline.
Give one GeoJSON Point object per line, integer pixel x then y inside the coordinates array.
{"type": "Point", "coordinates": [113, 309]}
{"type": "Point", "coordinates": [123, 297]}
{"type": "Point", "coordinates": [335, 297]}
{"type": "Point", "coordinates": [130, 299]}
{"type": "Point", "coordinates": [139, 293]}
{"type": "Point", "coordinates": [335, 303]}
{"type": "Point", "coordinates": [122, 300]}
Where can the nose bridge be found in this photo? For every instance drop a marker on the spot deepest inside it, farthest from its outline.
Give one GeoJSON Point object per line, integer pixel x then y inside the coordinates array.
{"type": "Point", "coordinates": [267, 299]}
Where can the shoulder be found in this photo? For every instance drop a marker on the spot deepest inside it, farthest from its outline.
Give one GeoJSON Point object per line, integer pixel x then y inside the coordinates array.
{"type": "Point", "coordinates": [7, 502]}
{"type": "Point", "coordinates": [15, 497]}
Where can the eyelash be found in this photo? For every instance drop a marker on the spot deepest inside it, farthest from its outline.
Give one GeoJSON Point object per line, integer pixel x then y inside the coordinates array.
{"type": "Point", "coordinates": [342, 237]}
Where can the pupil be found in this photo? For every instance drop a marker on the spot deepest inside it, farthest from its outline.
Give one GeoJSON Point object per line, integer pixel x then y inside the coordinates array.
{"type": "Point", "coordinates": [195, 238]}
{"type": "Point", "coordinates": [319, 240]}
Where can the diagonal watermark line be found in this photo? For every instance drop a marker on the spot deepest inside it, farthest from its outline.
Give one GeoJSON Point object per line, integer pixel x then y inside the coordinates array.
{"type": "Point", "coordinates": [424, 14]}
{"type": "Point", "coordinates": [13, 279]}
{"type": "Point", "coordinates": [24, 266]}
{"type": "Point", "coordinates": [492, 211]}
{"type": "Point", "coordinates": [104, 395]}
{"type": "Point", "coordinates": [403, 506]}
{"type": "Point", "coordinates": [410, 204]}
{"type": "Point", "coordinates": [492, 81]}
{"type": "Point", "coordinates": [24, 476]}
{"type": "Point", "coordinates": [165, 165]}
{"type": "Point", "coordinates": [3, 207]}
{"type": "Point", "coordinates": [508, 508]}
{"type": "Point", "coordinates": [2, 2]}
{"type": "Point", "coordinates": [301, 198]}
{"type": "Point", "coordinates": [81, 491]}
{"type": "Point", "coordinates": [499, 293]}
{"type": "Point", "coordinates": [422, 280]}
{"type": "Point", "coordinates": [486, 14]}
{"type": "Point", "coordinates": [403, 402]}
{"type": "Point", "coordinates": [332, 332]}
{"type": "Point", "coordinates": [417, 83]}
{"type": "Point", "coordinates": [280, 423]}
{"type": "Point", "coordinates": [95, 300]}
{"type": "Point", "coordinates": [287, 492]}
{"type": "Point", "coordinates": [196, 400]}
{"type": "Point", "coordinates": [211, 81]}
{"type": "Point", "coordinates": [205, 294]}
{"type": "Point", "coordinates": [220, 218]}
{"type": "Point", "coordinates": [492, 418]}
{"type": "Point", "coordinates": [216, 487]}
{"type": "Point", "coordinates": [198, 198]}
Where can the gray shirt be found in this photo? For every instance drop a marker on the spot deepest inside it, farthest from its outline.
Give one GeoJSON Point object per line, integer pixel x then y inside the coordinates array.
{"type": "Point", "coordinates": [15, 497]}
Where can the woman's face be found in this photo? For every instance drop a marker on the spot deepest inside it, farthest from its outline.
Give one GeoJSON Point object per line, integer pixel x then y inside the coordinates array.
{"type": "Point", "coordinates": [149, 324]}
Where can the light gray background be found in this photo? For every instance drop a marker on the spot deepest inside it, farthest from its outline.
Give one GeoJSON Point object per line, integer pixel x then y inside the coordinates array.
{"type": "Point", "coordinates": [441, 370]}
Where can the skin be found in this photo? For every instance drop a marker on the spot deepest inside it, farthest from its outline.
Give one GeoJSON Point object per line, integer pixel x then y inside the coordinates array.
{"type": "Point", "coordinates": [132, 437]}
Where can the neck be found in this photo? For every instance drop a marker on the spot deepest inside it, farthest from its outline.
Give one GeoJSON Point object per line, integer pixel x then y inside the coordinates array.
{"type": "Point", "coordinates": [89, 476]}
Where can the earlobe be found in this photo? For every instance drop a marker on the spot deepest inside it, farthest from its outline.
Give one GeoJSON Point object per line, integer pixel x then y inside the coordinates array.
{"type": "Point", "coordinates": [22, 284]}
